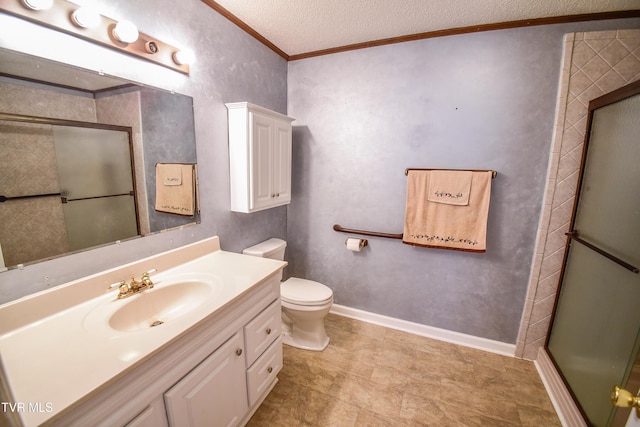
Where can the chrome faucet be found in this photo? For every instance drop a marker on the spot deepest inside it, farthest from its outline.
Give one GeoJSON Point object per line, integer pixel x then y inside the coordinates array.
{"type": "Point", "coordinates": [135, 286]}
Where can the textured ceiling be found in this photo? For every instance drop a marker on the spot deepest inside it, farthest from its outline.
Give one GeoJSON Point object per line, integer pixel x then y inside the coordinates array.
{"type": "Point", "coordinates": [303, 26]}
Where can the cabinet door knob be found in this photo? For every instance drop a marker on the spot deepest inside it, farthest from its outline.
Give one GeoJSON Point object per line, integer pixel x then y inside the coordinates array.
{"type": "Point", "coordinates": [268, 331]}
{"type": "Point", "coordinates": [239, 351]}
{"type": "Point", "coordinates": [269, 369]}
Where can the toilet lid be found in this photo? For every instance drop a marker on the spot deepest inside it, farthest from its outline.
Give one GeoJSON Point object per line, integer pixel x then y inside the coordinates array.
{"type": "Point", "coordinates": [304, 292]}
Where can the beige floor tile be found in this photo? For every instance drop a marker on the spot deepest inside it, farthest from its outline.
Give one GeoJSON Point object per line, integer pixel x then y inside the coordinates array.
{"type": "Point", "coordinates": [374, 376]}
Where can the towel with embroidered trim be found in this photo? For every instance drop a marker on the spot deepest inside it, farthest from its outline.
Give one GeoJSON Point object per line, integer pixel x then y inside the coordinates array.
{"type": "Point", "coordinates": [444, 225]}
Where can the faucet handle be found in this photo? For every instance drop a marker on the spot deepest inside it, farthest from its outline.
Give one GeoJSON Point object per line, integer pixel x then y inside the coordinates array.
{"type": "Point", "coordinates": [115, 285]}
{"type": "Point", "coordinates": [150, 272]}
{"type": "Point", "coordinates": [124, 288]}
{"type": "Point", "coordinates": [146, 279]}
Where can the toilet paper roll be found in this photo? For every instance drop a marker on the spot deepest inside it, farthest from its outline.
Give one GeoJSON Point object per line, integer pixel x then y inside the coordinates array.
{"type": "Point", "coordinates": [355, 245]}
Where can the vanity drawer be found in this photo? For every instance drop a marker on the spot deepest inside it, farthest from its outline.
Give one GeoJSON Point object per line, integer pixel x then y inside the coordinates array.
{"type": "Point", "coordinates": [263, 372]}
{"type": "Point", "coordinates": [262, 331]}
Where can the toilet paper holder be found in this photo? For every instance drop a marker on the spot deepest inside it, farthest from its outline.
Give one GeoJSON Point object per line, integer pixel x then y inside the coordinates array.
{"type": "Point", "coordinates": [355, 244]}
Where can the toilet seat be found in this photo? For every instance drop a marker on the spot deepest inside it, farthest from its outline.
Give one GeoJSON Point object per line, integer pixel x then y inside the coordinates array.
{"type": "Point", "coordinates": [305, 292]}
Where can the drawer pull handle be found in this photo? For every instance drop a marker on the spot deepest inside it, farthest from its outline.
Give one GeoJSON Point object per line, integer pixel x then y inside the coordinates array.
{"type": "Point", "coordinates": [269, 369]}
{"type": "Point", "coordinates": [239, 351]}
{"type": "Point", "coordinates": [268, 331]}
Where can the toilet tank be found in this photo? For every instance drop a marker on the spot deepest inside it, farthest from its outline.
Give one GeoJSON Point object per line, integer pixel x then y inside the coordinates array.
{"type": "Point", "coordinates": [272, 248]}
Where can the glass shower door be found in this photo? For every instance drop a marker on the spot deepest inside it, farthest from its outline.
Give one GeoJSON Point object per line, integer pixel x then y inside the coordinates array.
{"type": "Point", "coordinates": [594, 338]}
{"type": "Point", "coordinates": [95, 173]}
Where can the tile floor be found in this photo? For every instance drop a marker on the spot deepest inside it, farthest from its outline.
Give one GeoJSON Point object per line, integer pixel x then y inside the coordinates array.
{"type": "Point", "coordinates": [375, 376]}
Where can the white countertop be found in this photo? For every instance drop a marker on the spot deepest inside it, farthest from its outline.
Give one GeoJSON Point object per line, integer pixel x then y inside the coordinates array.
{"type": "Point", "coordinates": [55, 361]}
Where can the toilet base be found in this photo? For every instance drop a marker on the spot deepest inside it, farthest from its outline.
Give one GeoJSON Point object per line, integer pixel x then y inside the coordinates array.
{"type": "Point", "coordinates": [290, 341]}
{"type": "Point", "coordinates": [306, 331]}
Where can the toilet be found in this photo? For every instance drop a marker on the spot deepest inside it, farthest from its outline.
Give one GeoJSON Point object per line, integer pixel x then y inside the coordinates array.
{"type": "Point", "coordinates": [305, 303]}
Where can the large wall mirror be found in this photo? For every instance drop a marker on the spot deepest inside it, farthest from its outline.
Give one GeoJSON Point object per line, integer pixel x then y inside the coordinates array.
{"type": "Point", "coordinates": [88, 159]}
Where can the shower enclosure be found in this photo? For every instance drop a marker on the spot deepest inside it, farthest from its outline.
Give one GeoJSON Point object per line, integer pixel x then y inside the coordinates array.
{"type": "Point", "coordinates": [594, 334]}
{"type": "Point", "coordinates": [65, 186]}
{"type": "Point", "coordinates": [96, 179]}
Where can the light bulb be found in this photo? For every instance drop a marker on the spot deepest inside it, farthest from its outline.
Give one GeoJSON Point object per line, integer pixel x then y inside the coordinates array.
{"type": "Point", "coordinates": [183, 57]}
{"type": "Point", "coordinates": [126, 32]}
{"type": "Point", "coordinates": [38, 4]}
{"type": "Point", "coordinates": [86, 17]}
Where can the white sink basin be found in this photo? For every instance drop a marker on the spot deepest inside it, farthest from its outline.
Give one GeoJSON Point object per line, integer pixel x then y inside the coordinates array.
{"type": "Point", "coordinates": [159, 305]}
{"type": "Point", "coordinates": [169, 300]}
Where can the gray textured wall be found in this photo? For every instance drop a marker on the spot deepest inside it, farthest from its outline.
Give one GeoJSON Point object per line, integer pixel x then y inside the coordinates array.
{"type": "Point", "coordinates": [168, 135]}
{"type": "Point", "coordinates": [472, 101]}
{"type": "Point", "coordinates": [477, 101]}
{"type": "Point", "coordinates": [230, 66]}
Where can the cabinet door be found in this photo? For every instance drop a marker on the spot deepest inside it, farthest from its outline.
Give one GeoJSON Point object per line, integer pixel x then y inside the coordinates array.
{"type": "Point", "coordinates": [282, 162]}
{"type": "Point", "coordinates": [212, 394]}
{"type": "Point", "coordinates": [153, 416]}
{"type": "Point", "coordinates": [261, 182]}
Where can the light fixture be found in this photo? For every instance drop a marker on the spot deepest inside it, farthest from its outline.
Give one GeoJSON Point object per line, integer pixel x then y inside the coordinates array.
{"type": "Point", "coordinates": [82, 19]}
{"type": "Point", "coordinates": [151, 47]}
{"type": "Point", "coordinates": [38, 4]}
{"type": "Point", "coordinates": [85, 17]}
{"type": "Point", "coordinates": [126, 32]}
{"type": "Point", "coordinates": [183, 57]}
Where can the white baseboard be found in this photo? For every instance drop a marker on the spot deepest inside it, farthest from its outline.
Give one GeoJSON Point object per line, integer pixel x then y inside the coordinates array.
{"type": "Point", "coordinates": [426, 331]}
{"type": "Point", "coordinates": [561, 399]}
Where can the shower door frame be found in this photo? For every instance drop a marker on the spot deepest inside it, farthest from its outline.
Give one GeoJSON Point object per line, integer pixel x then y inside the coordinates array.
{"type": "Point", "coordinates": [39, 120]}
{"type": "Point", "coordinates": [622, 93]}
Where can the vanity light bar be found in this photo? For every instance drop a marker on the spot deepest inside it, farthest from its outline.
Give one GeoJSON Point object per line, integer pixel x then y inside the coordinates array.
{"type": "Point", "coordinates": [38, 4]}
{"type": "Point", "coordinates": [88, 24]}
{"type": "Point", "coordinates": [86, 17]}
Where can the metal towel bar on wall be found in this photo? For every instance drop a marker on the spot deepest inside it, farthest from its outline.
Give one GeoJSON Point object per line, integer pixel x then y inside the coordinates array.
{"type": "Point", "coordinates": [493, 173]}
{"type": "Point", "coordinates": [399, 236]}
{"type": "Point", "coordinates": [341, 229]}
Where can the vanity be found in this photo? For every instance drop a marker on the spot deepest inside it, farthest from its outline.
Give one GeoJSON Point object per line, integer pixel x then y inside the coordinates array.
{"type": "Point", "coordinates": [202, 347]}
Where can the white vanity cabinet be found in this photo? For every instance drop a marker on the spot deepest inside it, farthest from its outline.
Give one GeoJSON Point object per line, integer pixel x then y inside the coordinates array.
{"type": "Point", "coordinates": [215, 375]}
{"type": "Point", "coordinates": [259, 157]}
{"type": "Point", "coordinates": [236, 377]}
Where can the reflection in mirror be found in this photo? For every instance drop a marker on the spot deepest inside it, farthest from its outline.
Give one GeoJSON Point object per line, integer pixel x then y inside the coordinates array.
{"type": "Point", "coordinates": [88, 145]}
{"type": "Point", "coordinates": [69, 187]}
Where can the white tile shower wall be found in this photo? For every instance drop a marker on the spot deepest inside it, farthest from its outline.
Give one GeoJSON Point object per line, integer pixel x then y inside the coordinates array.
{"type": "Point", "coordinates": [594, 63]}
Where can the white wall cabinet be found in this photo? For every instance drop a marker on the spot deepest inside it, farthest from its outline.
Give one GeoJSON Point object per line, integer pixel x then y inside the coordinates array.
{"type": "Point", "coordinates": [259, 157]}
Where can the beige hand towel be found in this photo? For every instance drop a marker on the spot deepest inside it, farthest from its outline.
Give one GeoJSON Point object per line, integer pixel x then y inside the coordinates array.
{"type": "Point", "coordinates": [175, 188]}
{"type": "Point", "coordinates": [447, 226]}
{"type": "Point", "coordinates": [450, 187]}
{"type": "Point", "coordinates": [171, 173]}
